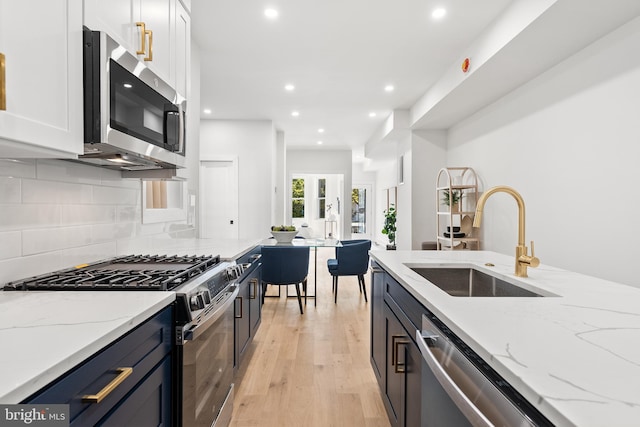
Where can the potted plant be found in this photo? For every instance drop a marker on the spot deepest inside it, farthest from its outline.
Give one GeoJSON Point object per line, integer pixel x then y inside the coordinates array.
{"type": "Point", "coordinates": [390, 226]}
{"type": "Point", "coordinates": [452, 199]}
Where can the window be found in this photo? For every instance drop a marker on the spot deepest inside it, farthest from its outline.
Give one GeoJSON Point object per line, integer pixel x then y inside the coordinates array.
{"type": "Point", "coordinates": [322, 193]}
{"type": "Point", "coordinates": [297, 198]}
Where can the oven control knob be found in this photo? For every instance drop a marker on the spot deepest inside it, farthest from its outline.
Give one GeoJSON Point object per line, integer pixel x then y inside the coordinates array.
{"type": "Point", "coordinates": [207, 297]}
{"type": "Point", "coordinates": [196, 302]}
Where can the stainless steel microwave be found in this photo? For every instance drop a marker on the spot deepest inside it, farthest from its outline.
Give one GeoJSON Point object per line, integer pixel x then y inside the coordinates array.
{"type": "Point", "coordinates": [132, 119]}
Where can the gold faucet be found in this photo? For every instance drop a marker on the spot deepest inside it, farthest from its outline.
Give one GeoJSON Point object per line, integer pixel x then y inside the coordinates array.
{"type": "Point", "coordinates": [523, 260]}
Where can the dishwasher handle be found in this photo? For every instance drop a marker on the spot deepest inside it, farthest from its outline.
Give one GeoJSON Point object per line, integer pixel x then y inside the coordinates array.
{"type": "Point", "coordinates": [470, 411]}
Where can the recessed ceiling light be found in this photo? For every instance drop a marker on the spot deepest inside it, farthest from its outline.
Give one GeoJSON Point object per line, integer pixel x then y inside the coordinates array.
{"type": "Point", "coordinates": [389, 88]}
{"type": "Point", "coordinates": [320, 130]}
{"type": "Point", "coordinates": [207, 111]}
{"type": "Point", "coordinates": [319, 142]}
{"type": "Point", "coordinates": [289, 87]}
{"type": "Point", "coordinates": [271, 13]}
{"type": "Point", "coordinates": [372, 114]}
{"type": "Point", "coordinates": [438, 13]}
{"type": "Point", "coordinates": [295, 113]}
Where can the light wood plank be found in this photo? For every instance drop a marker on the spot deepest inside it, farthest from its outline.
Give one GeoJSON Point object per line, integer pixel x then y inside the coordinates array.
{"type": "Point", "coordinates": [311, 370]}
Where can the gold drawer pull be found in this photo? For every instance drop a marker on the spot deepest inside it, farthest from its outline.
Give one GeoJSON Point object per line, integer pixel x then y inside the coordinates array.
{"type": "Point", "coordinates": [400, 367]}
{"type": "Point", "coordinates": [143, 39]}
{"type": "Point", "coordinates": [3, 85]}
{"type": "Point", "coordinates": [254, 282]}
{"type": "Point", "coordinates": [236, 316]}
{"type": "Point", "coordinates": [97, 398]}
{"type": "Point", "coordinates": [149, 56]}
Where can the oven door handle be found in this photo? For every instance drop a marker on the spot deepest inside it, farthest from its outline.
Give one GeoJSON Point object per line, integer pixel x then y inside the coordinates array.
{"type": "Point", "coordinates": [196, 331]}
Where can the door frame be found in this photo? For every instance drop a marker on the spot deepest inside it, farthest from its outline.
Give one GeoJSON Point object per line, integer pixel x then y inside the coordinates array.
{"type": "Point", "coordinates": [235, 172]}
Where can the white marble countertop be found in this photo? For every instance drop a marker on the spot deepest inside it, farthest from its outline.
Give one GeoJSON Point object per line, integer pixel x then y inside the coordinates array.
{"type": "Point", "coordinates": [575, 356]}
{"type": "Point", "coordinates": [45, 334]}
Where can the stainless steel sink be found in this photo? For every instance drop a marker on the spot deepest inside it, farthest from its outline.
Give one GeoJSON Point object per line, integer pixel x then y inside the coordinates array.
{"type": "Point", "coordinates": [469, 282]}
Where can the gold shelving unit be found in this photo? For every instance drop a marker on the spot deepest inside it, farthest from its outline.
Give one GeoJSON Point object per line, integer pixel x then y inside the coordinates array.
{"type": "Point", "coordinates": [454, 221]}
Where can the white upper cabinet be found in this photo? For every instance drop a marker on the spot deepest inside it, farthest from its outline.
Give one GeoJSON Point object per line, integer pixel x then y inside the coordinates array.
{"type": "Point", "coordinates": [154, 21]}
{"type": "Point", "coordinates": [183, 50]}
{"type": "Point", "coordinates": [115, 17]}
{"type": "Point", "coordinates": [41, 42]}
{"type": "Point", "coordinates": [154, 30]}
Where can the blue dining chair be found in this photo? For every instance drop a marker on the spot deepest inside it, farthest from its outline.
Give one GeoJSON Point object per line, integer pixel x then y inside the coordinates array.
{"type": "Point", "coordinates": [285, 265]}
{"type": "Point", "coordinates": [352, 259]}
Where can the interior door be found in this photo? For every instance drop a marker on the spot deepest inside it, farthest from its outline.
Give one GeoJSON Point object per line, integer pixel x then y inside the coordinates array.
{"type": "Point", "coordinates": [219, 196]}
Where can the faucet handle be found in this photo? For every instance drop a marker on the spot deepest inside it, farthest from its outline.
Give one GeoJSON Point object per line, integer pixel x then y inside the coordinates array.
{"type": "Point", "coordinates": [530, 260]}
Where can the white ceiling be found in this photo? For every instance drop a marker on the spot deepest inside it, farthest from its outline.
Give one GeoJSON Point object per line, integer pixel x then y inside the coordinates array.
{"type": "Point", "coordinates": [339, 55]}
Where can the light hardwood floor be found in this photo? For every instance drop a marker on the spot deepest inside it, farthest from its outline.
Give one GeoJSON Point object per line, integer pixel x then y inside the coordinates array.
{"type": "Point", "coordinates": [312, 369]}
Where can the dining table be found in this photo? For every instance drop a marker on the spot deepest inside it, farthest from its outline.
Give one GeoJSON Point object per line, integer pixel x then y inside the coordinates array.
{"type": "Point", "coordinates": [311, 243]}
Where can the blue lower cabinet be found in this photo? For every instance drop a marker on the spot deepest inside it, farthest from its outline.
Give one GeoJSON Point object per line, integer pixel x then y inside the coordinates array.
{"type": "Point", "coordinates": [130, 378]}
{"type": "Point", "coordinates": [248, 313]}
{"type": "Point", "coordinates": [149, 404]}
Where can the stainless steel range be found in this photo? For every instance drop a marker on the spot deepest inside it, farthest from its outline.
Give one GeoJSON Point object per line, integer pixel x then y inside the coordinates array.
{"type": "Point", "coordinates": [205, 294]}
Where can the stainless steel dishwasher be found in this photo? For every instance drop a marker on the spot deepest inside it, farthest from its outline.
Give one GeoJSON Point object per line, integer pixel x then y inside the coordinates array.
{"type": "Point", "coordinates": [457, 392]}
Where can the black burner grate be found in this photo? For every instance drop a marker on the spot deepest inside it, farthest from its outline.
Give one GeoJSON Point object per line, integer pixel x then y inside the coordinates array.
{"type": "Point", "coordinates": [135, 272]}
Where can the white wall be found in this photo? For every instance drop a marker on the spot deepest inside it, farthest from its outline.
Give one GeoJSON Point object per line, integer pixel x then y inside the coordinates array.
{"type": "Point", "coordinates": [569, 142]}
{"type": "Point", "coordinates": [428, 154]}
{"type": "Point", "coordinates": [253, 142]}
{"type": "Point", "coordinates": [324, 162]}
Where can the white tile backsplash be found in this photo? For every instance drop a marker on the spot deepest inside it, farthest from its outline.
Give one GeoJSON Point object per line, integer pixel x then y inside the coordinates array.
{"type": "Point", "coordinates": [39, 191]}
{"type": "Point", "coordinates": [9, 190]}
{"type": "Point", "coordinates": [10, 244]}
{"type": "Point", "coordinates": [55, 170]}
{"type": "Point", "coordinates": [116, 196]}
{"type": "Point", "coordinates": [20, 217]}
{"type": "Point", "coordinates": [106, 232]}
{"type": "Point", "coordinates": [55, 214]}
{"type": "Point", "coordinates": [87, 214]}
{"type": "Point", "coordinates": [52, 239]}
{"type": "Point", "coordinates": [129, 213]}
{"type": "Point", "coordinates": [18, 168]}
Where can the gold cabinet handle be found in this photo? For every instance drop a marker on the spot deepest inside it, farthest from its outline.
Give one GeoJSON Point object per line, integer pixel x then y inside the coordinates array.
{"type": "Point", "coordinates": [239, 317]}
{"type": "Point", "coordinates": [149, 56]}
{"type": "Point", "coordinates": [3, 84]}
{"type": "Point", "coordinates": [254, 282]}
{"type": "Point", "coordinates": [143, 39]}
{"type": "Point", "coordinates": [396, 342]}
{"type": "Point", "coordinates": [123, 373]}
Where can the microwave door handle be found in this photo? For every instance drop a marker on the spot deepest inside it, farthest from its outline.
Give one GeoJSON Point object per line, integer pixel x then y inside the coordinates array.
{"type": "Point", "coordinates": [471, 412]}
{"type": "Point", "coordinates": [181, 117]}
{"type": "Point", "coordinates": [170, 109]}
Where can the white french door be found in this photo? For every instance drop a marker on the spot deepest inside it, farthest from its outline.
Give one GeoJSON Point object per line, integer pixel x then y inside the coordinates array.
{"type": "Point", "coordinates": [361, 212]}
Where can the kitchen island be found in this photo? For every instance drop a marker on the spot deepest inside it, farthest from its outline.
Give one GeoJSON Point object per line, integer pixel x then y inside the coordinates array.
{"type": "Point", "coordinates": [574, 354]}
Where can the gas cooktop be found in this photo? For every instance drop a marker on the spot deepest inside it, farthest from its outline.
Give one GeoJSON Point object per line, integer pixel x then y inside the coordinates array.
{"type": "Point", "coordinates": [134, 272]}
